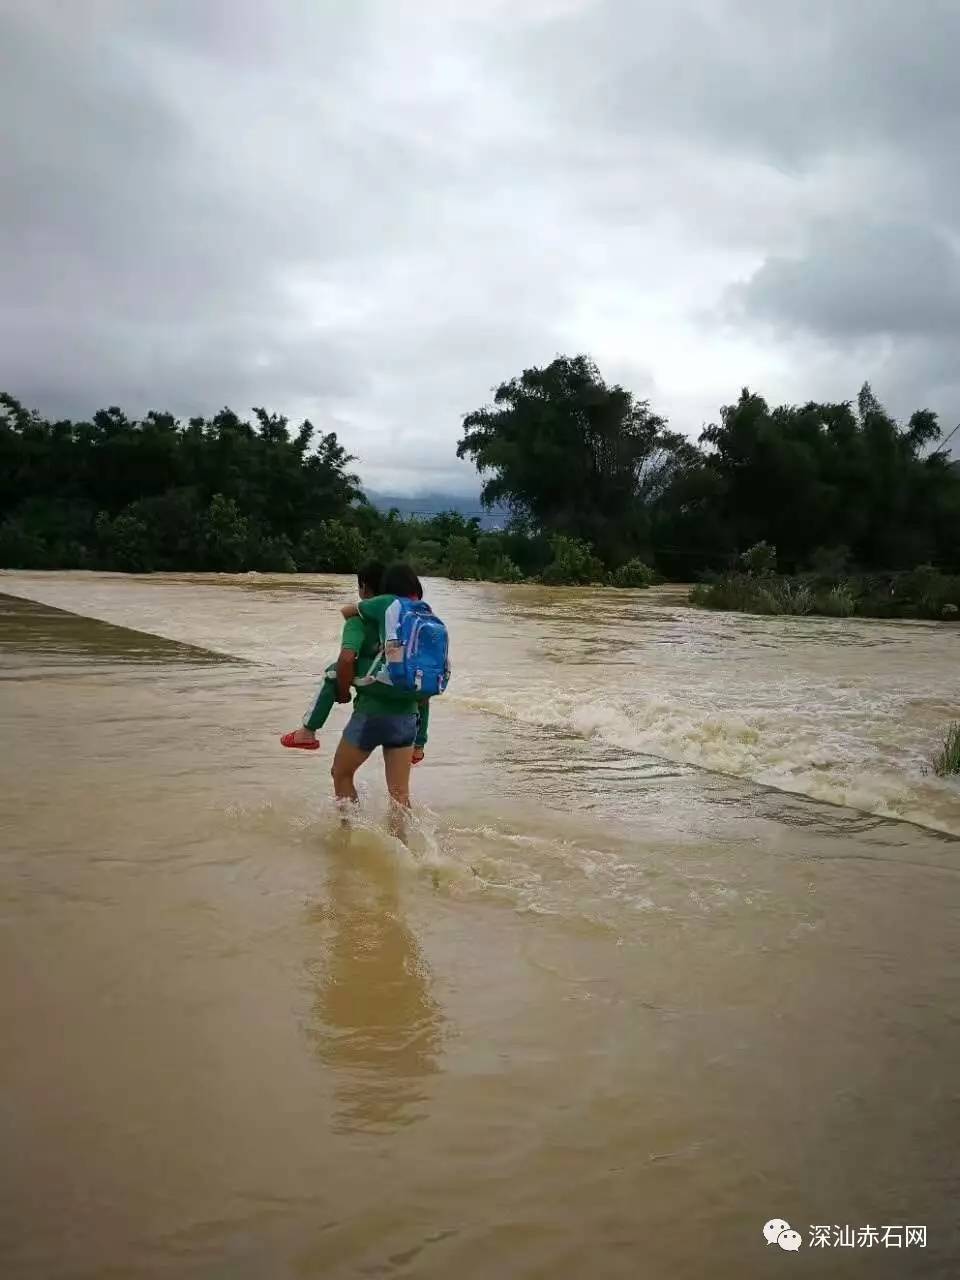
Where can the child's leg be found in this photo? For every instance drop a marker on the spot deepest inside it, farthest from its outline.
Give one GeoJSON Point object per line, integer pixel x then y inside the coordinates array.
{"type": "Point", "coordinates": [316, 715]}
{"type": "Point", "coordinates": [321, 706]}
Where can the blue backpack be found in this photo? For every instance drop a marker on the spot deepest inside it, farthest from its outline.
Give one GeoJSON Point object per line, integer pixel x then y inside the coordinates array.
{"type": "Point", "coordinates": [416, 653]}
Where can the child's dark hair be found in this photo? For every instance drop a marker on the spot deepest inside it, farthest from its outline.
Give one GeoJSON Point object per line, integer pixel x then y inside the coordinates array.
{"type": "Point", "coordinates": [400, 580]}
{"type": "Point", "coordinates": [370, 575]}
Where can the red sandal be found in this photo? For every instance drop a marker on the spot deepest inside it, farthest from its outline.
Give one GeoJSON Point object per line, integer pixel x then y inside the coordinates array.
{"type": "Point", "coordinates": [288, 740]}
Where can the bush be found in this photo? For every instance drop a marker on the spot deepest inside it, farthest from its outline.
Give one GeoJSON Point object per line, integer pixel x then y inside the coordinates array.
{"type": "Point", "coordinates": [460, 559]}
{"type": "Point", "coordinates": [946, 762]}
{"type": "Point", "coordinates": [759, 560]}
{"type": "Point", "coordinates": [426, 555]}
{"type": "Point", "coordinates": [783, 596]}
{"type": "Point", "coordinates": [735, 592]}
{"type": "Point", "coordinates": [744, 593]}
{"type": "Point", "coordinates": [573, 564]}
{"type": "Point", "coordinates": [504, 570]}
{"type": "Point", "coordinates": [124, 543]}
{"type": "Point", "coordinates": [226, 536]}
{"type": "Point", "coordinates": [838, 602]}
{"type": "Point", "coordinates": [20, 549]}
{"type": "Point", "coordinates": [633, 574]}
{"type": "Point", "coordinates": [273, 555]}
{"type": "Point", "coordinates": [330, 547]}
{"type": "Point", "coordinates": [923, 593]}
{"type": "Point", "coordinates": [172, 520]}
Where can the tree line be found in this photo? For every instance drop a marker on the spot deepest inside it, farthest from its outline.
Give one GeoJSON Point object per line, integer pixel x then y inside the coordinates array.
{"type": "Point", "coordinates": [600, 490]}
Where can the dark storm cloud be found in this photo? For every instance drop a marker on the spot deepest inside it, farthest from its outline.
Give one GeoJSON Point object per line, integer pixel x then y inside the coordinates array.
{"type": "Point", "coordinates": [372, 213]}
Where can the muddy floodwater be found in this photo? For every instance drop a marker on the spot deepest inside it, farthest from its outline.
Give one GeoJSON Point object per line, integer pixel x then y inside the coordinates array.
{"type": "Point", "coordinates": [673, 948]}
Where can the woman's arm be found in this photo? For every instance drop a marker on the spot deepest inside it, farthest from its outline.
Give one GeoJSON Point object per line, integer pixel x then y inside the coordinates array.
{"type": "Point", "coordinates": [346, 670]}
{"type": "Point", "coordinates": [351, 610]}
{"type": "Point", "coordinates": [423, 722]}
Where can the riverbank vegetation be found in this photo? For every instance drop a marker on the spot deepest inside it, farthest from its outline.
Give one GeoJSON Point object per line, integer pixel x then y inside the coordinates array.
{"type": "Point", "coordinates": [946, 762]}
{"type": "Point", "coordinates": [923, 592]}
{"type": "Point", "coordinates": [842, 500]}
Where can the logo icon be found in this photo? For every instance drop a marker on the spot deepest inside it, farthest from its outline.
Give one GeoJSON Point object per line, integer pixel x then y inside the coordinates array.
{"type": "Point", "coordinates": [778, 1231]}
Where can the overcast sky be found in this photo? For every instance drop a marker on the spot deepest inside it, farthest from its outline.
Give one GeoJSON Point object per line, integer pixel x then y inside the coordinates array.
{"type": "Point", "coordinates": [369, 213]}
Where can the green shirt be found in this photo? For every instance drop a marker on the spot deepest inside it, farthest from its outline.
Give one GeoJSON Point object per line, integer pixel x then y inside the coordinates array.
{"type": "Point", "coordinates": [380, 699]}
{"type": "Point", "coordinates": [362, 638]}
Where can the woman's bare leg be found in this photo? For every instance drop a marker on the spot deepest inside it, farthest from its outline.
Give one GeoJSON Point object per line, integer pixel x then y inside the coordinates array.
{"type": "Point", "coordinates": [397, 762]}
{"type": "Point", "coordinates": [346, 761]}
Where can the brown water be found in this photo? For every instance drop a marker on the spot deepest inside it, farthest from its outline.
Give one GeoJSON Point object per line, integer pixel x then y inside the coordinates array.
{"type": "Point", "coordinates": [657, 966]}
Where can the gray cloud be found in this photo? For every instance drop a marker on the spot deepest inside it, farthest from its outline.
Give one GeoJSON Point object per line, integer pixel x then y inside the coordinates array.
{"type": "Point", "coordinates": [370, 214]}
{"type": "Point", "coordinates": [860, 281]}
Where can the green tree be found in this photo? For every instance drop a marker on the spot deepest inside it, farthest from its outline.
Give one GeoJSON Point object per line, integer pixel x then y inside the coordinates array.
{"type": "Point", "coordinates": [156, 482]}
{"type": "Point", "coordinates": [759, 560]}
{"type": "Point", "coordinates": [125, 542]}
{"type": "Point", "coordinates": [821, 475]}
{"type": "Point", "coordinates": [226, 536]}
{"type": "Point", "coordinates": [333, 546]}
{"type": "Point", "coordinates": [574, 455]}
{"type": "Point", "coordinates": [460, 559]}
{"type": "Point", "coordinates": [426, 555]}
{"type": "Point", "coordinates": [633, 574]}
{"type": "Point", "coordinates": [20, 549]}
{"type": "Point", "coordinates": [573, 563]}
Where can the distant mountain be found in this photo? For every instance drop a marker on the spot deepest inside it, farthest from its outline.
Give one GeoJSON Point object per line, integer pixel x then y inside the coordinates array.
{"type": "Point", "coordinates": [432, 504]}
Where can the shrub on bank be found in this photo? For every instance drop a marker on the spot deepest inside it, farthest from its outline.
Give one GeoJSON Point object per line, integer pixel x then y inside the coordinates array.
{"type": "Point", "coordinates": [632, 574]}
{"type": "Point", "coordinates": [836, 602]}
{"type": "Point", "coordinates": [573, 563]}
{"type": "Point", "coordinates": [922, 593]}
{"type": "Point", "coordinates": [947, 760]}
{"type": "Point", "coordinates": [759, 560]}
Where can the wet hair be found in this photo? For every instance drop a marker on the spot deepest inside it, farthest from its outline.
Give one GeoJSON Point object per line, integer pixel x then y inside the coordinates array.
{"type": "Point", "coordinates": [400, 580]}
{"type": "Point", "coordinates": [370, 575]}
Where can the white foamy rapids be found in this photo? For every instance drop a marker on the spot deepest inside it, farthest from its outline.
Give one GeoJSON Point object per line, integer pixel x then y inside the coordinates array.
{"type": "Point", "coordinates": [851, 756]}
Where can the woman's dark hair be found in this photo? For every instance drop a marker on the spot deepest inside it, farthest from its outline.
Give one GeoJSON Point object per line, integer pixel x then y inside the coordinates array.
{"type": "Point", "coordinates": [370, 575]}
{"type": "Point", "coordinates": [400, 580]}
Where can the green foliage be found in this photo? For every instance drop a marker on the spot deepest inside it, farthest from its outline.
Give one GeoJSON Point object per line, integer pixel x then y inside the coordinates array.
{"type": "Point", "coordinates": [575, 456]}
{"type": "Point", "coordinates": [124, 542]}
{"type": "Point", "coordinates": [836, 602]}
{"type": "Point", "coordinates": [633, 574]}
{"type": "Point", "coordinates": [20, 549]}
{"type": "Point", "coordinates": [386, 535]}
{"type": "Point", "coordinates": [503, 570]}
{"type": "Point", "coordinates": [759, 560]}
{"type": "Point", "coordinates": [748, 593]}
{"type": "Point", "coordinates": [446, 525]}
{"type": "Point", "coordinates": [332, 546]}
{"type": "Point", "coordinates": [923, 593]}
{"type": "Point", "coordinates": [831, 562]}
{"type": "Point", "coordinates": [826, 475]}
{"type": "Point", "coordinates": [221, 494]}
{"type": "Point", "coordinates": [225, 535]}
{"type": "Point", "coordinates": [573, 563]}
{"type": "Point", "coordinates": [272, 555]}
{"type": "Point", "coordinates": [850, 498]}
{"type": "Point", "coordinates": [946, 762]}
{"type": "Point", "coordinates": [427, 555]}
{"type": "Point", "coordinates": [460, 560]}
{"type": "Point", "coordinates": [783, 596]}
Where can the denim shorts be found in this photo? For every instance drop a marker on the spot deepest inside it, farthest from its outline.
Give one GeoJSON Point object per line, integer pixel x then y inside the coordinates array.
{"type": "Point", "coordinates": [366, 733]}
